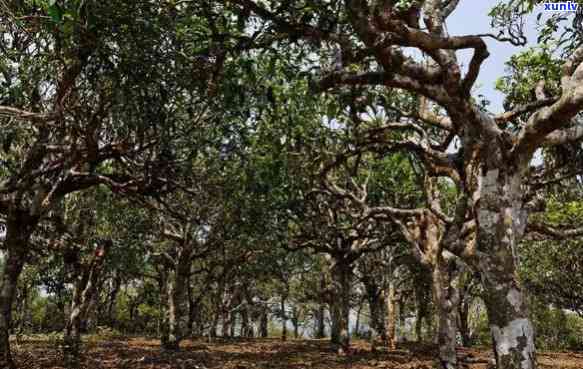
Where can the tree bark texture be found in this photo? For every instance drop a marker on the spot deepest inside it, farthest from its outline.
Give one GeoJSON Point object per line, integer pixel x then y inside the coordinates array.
{"type": "Point", "coordinates": [501, 222]}
{"type": "Point", "coordinates": [85, 287]}
{"type": "Point", "coordinates": [340, 309]}
{"type": "Point", "coordinates": [19, 227]}
{"type": "Point", "coordinates": [391, 317]}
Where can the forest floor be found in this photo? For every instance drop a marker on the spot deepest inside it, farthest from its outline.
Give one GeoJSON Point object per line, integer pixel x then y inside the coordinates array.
{"type": "Point", "coordinates": [141, 353]}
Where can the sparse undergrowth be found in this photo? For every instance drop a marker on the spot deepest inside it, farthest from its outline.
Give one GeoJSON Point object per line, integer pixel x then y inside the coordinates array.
{"type": "Point", "coordinates": [143, 353]}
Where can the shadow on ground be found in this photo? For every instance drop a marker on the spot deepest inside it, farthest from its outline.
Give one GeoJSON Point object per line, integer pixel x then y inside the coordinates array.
{"type": "Point", "coordinates": [142, 353]}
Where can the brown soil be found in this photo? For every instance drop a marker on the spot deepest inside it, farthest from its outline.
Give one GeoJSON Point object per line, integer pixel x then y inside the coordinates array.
{"type": "Point", "coordinates": [142, 353]}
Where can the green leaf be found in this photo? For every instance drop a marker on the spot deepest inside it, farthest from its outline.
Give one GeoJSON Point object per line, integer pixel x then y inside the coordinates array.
{"type": "Point", "coordinates": [55, 12]}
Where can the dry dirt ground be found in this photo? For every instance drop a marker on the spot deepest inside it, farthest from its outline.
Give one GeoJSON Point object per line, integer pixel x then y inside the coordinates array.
{"type": "Point", "coordinates": [141, 353]}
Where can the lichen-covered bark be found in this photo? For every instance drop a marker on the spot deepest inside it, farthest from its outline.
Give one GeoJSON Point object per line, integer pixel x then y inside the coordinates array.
{"type": "Point", "coordinates": [177, 299]}
{"type": "Point", "coordinates": [340, 306]}
{"type": "Point", "coordinates": [178, 317]}
{"type": "Point", "coordinates": [391, 318]}
{"type": "Point", "coordinates": [512, 331]}
{"type": "Point", "coordinates": [501, 221]}
{"type": "Point", "coordinates": [446, 296]}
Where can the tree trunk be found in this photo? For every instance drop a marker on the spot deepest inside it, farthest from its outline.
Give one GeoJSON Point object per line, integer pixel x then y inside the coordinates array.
{"type": "Point", "coordinates": [226, 319]}
{"type": "Point", "coordinates": [18, 232]}
{"type": "Point", "coordinates": [501, 223]}
{"type": "Point", "coordinates": [244, 332]}
{"type": "Point", "coordinates": [192, 311]}
{"type": "Point", "coordinates": [511, 329]}
{"type": "Point", "coordinates": [163, 325]}
{"type": "Point", "coordinates": [87, 277]}
{"type": "Point", "coordinates": [321, 321]}
{"type": "Point", "coordinates": [419, 325]}
{"type": "Point", "coordinates": [24, 314]}
{"type": "Point", "coordinates": [112, 300]}
{"type": "Point", "coordinates": [335, 317]}
{"type": "Point", "coordinates": [264, 323]}
{"type": "Point", "coordinates": [464, 328]}
{"type": "Point", "coordinates": [225, 329]}
{"type": "Point", "coordinates": [283, 319]}
{"type": "Point", "coordinates": [232, 324]}
{"type": "Point", "coordinates": [72, 342]}
{"type": "Point", "coordinates": [421, 291]}
{"type": "Point", "coordinates": [446, 297]}
{"type": "Point", "coordinates": [342, 275]}
{"type": "Point", "coordinates": [218, 306]}
{"type": "Point", "coordinates": [392, 315]}
{"type": "Point", "coordinates": [357, 324]}
{"type": "Point", "coordinates": [12, 270]}
{"type": "Point", "coordinates": [296, 322]}
{"type": "Point", "coordinates": [246, 329]}
{"type": "Point", "coordinates": [214, 325]}
{"type": "Point", "coordinates": [178, 309]}
{"type": "Point", "coordinates": [376, 302]}
{"type": "Point", "coordinates": [321, 313]}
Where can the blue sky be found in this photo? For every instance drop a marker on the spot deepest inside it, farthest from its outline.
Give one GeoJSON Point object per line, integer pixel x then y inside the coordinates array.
{"type": "Point", "coordinates": [471, 17]}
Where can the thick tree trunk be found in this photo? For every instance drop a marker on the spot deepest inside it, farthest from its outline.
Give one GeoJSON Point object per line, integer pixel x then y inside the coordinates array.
{"type": "Point", "coordinates": [340, 307]}
{"type": "Point", "coordinates": [18, 231]}
{"type": "Point", "coordinates": [376, 305]}
{"type": "Point", "coordinates": [501, 223]}
{"type": "Point", "coordinates": [12, 270]}
{"type": "Point", "coordinates": [23, 311]}
{"type": "Point", "coordinates": [512, 330]}
{"type": "Point", "coordinates": [335, 317]}
{"type": "Point", "coordinates": [72, 341]}
{"type": "Point", "coordinates": [178, 309]}
{"type": "Point", "coordinates": [175, 297]}
{"type": "Point", "coordinates": [446, 297]}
